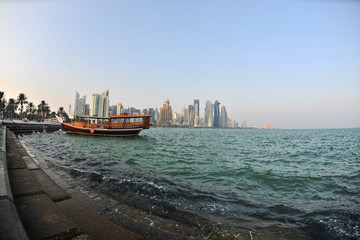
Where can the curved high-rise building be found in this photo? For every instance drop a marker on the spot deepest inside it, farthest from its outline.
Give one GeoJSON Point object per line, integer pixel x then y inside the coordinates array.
{"type": "Point", "coordinates": [216, 114]}
{"type": "Point", "coordinates": [223, 117]}
{"type": "Point", "coordinates": [209, 114]}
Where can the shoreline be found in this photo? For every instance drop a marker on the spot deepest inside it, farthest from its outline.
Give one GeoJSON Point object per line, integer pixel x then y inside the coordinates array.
{"type": "Point", "coordinates": [153, 222]}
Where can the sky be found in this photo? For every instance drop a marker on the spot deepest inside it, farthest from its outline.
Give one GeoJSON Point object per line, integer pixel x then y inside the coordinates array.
{"type": "Point", "coordinates": [293, 63]}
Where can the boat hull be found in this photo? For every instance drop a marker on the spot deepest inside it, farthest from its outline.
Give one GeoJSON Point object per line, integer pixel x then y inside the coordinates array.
{"type": "Point", "coordinates": [111, 132]}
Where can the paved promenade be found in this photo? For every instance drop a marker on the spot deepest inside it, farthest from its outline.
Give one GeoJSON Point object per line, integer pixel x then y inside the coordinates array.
{"type": "Point", "coordinates": [33, 206]}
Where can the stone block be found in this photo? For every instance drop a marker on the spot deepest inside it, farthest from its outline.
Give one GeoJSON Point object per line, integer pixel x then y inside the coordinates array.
{"type": "Point", "coordinates": [60, 182]}
{"type": "Point", "coordinates": [22, 151]}
{"type": "Point", "coordinates": [82, 237]}
{"type": "Point", "coordinates": [42, 219]}
{"type": "Point", "coordinates": [49, 186]}
{"type": "Point", "coordinates": [30, 163]}
{"type": "Point", "coordinates": [14, 160]}
{"type": "Point", "coordinates": [10, 223]}
{"type": "Point", "coordinates": [5, 189]}
{"type": "Point", "coordinates": [92, 224]}
{"type": "Point", "coordinates": [23, 183]}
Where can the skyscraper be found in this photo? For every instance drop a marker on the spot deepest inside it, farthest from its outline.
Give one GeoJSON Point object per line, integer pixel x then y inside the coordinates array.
{"type": "Point", "coordinates": [217, 114]}
{"type": "Point", "coordinates": [100, 104]}
{"type": "Point", "coordinates": [95, 105]}
{"type": "Point", "coordinates": [197, 107]}
{"type": "Point", "coordinates": [156, 115]}
{"type": "Point", "coordinates": [244, 124]}
{"type": "Point", "coordinates": [105, 103]}
{"type": "Point", "coordinates": [113, 110]}
{"type": "Point", "coordinates": [79, 104]}
{"type": "Point", "coordinates": [166, 113]}
{"type": "Point", "coordinates": [209, 114]}
{"type": "Point", "coordinates": [120, 109]}
{"type": "Point", "coordinates": [87, 109]}
{"type": "Point", "coordinates": [223, 117]}
{"type": "Point", "coordinates": [191, 115]}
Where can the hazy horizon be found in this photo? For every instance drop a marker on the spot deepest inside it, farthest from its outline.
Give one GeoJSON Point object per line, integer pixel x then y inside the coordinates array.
{"type": "Point", "coordinates": [295, 64]}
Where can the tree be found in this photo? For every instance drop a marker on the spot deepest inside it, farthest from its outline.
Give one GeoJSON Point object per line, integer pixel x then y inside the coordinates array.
{"type": "Point", "coordinates": [60, 111]}
{"type": "Point", "coordinates": [22, 99]}
{"type": "Point", "coordinates": [47, 111]}
{"type": "Point", "coordinates": [43, 110]}
{"type": "Point", "coordinates": [10, 108]}
{"type": "Point", "coordinates": [53, 114]}
{"type": "Point", "coordinates": [2, 103]}
{"type": "Point", "coordinates": [30, 110]}
{"type": "Point", "coordinates": [66, 116]}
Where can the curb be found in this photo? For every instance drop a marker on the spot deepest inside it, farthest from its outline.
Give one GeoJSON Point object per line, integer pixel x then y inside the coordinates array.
{"type": "Point", "coordinates": [11, 226]}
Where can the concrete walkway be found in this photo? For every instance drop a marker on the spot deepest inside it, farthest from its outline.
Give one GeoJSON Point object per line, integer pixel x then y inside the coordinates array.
{"type": "Point", "coordinates": [33, 206]}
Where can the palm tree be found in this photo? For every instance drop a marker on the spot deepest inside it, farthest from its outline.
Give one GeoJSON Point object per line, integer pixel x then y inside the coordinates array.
{"type": "Point", "coordinates": [53, 114]}
{"type": "Point", "coordinates": [22, 99]}
{"type": "Point", "coordinates": [11, 107]}
{"type": "Point", "coordinates": [2, 104]}
{"type": "Point", "coordinates": [30, 109]}
{"type": "Point", "coordinates": [47, 111]}
{"type": "Point", "coordinates": [60, 112]}
{"type": "Point", "coordinates": [63, 114]}
{"type": "Point", "coordinates": [43, 108]}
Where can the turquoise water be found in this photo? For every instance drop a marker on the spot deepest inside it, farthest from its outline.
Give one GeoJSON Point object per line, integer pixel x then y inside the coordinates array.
{"type": "Point", "coordinates": [308, 178]}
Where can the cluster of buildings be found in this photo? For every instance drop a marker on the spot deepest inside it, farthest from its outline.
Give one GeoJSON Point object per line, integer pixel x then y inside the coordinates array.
{"type": "Point", "coordinates": [214, 117]}
{"type": "Point", "coordinates": [100, 107]}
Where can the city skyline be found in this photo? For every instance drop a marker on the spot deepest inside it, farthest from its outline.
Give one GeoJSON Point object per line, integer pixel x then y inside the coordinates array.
{"type": "Point", "coordinates": [294, 65]}
{"type": "Point", "coordinates": [162, 116]}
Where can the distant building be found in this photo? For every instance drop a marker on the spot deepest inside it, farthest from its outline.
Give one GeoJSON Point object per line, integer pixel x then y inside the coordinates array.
{"type": "Point", "coordinates": [197, 121]}
{"type": "Point", "coordinates": [156, 116]}
{"type": "Point", "coordinates": [100, 104]}
{"type": "Point", "coordinates": [113, 110]}
{"type": "Point", "coordinates": [268, 125]}
{"type": "Point", "coordinates": [87, 109]}
{"type": "Point", "coordinates": [197, 107]}
{"type": "Point", "coordinates": [232, 123]}
{"type": "Point", "coordinates": [223, 117]}
{"type": "Point", "coordinates": [95, 105]}
{"type": "Point", "coordinates": [79, 104]}
{"type": "Point", "coordinates": [177, 118]}
{"type": "Point", "coordinates": [119, 109]}
{"type": "Point", "coordinates": [166, 113]}
{"type": "Point", "coordinates": [244, 124]}
{"type": "Point", "coordinates": [216, 114]}
{"type": "Point", "coordinates": [105, 102]}
{"type": "Point", "coordinates": [133, 111]}
{"type": "Point", "coordinates": [145, 112]}
{"type": "Point", "coordinates": [191, 115]}
{"type": "Point", "coordinates": [209, 114]}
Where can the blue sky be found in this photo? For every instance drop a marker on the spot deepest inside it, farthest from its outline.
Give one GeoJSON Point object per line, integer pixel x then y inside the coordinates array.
{"type": "Point", "coordinates": [294, 63]}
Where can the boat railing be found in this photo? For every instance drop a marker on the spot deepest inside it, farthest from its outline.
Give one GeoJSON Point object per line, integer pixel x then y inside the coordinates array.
{"type": "Point", "coordinates": [143, 124]}
{"type": "Point", "coordinates": [114, 122]}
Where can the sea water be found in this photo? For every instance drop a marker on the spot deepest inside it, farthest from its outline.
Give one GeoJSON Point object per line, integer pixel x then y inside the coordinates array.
{"type": "Point", "coordinates": [309, 179]}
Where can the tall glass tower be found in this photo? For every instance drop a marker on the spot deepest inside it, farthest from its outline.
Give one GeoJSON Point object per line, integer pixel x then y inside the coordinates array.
{"type": "Point", "coordinates": [217, 114]}
{"type": "Point", "coordinates": [209, 114]}
{"type": "Point", "coordinates": [197, 107]}
{"type": "Point", "coordinates": [223, 117]}
{"type": "Point", "coordinates": [80, 103]}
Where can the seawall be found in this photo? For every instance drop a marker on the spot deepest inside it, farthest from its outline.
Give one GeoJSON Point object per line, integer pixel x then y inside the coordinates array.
{"type": "Point", "coordinates": [21, 127]}
{"type": "Point", "coordinates": [34, 204]}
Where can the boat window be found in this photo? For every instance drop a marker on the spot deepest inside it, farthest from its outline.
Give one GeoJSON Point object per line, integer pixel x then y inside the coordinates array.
{"type": "Point", "coordinates": [117, 120]}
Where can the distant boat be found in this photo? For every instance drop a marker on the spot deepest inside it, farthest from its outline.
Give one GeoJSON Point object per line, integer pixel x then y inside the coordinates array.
{"type": "Point", "coordinates": [117, 126]}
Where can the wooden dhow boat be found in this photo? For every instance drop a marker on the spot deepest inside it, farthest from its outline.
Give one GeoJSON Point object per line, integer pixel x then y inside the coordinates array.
{"type": "Point", "coordinates": [117, 126]}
